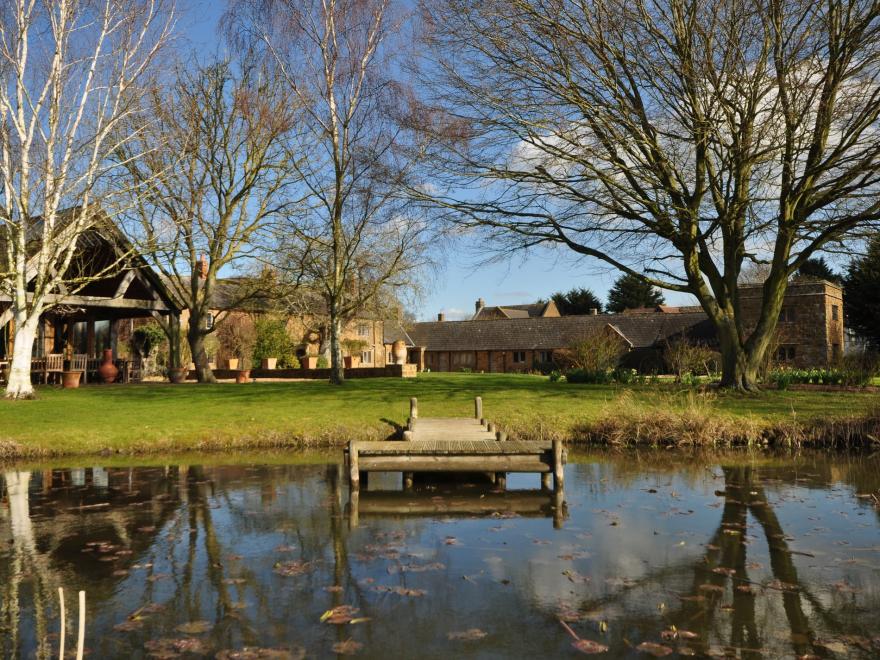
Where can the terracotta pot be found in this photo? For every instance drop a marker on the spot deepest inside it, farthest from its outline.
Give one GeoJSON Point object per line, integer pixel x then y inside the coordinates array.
{"type": "Point", "coordinates": [269, 363]}
{"type": "Point", "coordinates": [178, 375]}
{"type": "Point", "coordinates": [243, 376]}
{"type": "Point", "coordinates": [108, 371]}
{"type": "Point", "coordinates": [310, 362]}
{"type": "Point", "coordinates": [232, 364]}
{"type": "Point", "coordinates": [70, 379]}
{"type": "Point", "coordinates": [398, 352]}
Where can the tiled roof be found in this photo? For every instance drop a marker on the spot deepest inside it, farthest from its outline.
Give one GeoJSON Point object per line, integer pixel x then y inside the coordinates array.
{"type": "Point", "coordinates": [532, 310]}
{"type": "Point", "coordinates": [546, 333]}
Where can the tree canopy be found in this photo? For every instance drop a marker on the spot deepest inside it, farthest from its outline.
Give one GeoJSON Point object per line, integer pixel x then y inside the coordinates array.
{"type": "Point", "coordinates": [676, 140]}
{"type": "Point", "coordinates": [861, 294]}
{"type": "Point", "coordinates": [578, 300]}
{"type": "Point", "coordinates": [818, 268]}
{"type": "Point", "coordinates": [633, 292]}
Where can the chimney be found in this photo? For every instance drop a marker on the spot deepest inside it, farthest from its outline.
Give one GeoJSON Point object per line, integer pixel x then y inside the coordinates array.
{"type": "Point", "coordinates": [203, 267]}
{"type": "Point", "coordinates": [479, 305]}
{"type": "Point", "coordinates": [594, 311]}
{"type": "Point", "coordinates": [441, 317]}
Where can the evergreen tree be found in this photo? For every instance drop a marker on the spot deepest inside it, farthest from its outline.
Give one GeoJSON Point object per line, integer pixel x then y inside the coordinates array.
{"type": "Point", "coordinates": [630, 292]}
{"type": "Point", "coordinates": [861, 294]}
{"type": "Point", "coordinates": [817, 268]}
{"type": "Point", "coordinates": [576, 301]}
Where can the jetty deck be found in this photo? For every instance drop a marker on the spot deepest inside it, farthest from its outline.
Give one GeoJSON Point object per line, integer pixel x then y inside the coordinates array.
{"type": "Point", "coordinates": [439, 444]}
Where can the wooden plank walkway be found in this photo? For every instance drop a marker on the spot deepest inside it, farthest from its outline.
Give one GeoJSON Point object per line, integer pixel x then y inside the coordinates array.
{"type": "Point", "coordinates": [440, 444]}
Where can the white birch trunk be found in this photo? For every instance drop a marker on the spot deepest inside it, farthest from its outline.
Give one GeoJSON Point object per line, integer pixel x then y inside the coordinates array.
{"type": "Point", "coordinates": [19, 385]}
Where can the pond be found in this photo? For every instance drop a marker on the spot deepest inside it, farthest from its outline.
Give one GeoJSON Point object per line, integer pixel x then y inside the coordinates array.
{"type": "Point", "coordinates": [650, 554]}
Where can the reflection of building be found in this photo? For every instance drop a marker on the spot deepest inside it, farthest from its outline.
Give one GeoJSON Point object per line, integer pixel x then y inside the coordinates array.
{"type": "Point", "coordinates": [525, 337]}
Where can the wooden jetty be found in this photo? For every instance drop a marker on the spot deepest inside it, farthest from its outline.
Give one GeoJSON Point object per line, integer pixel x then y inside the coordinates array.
{"type": "Point", "coordinates": [444, 445]}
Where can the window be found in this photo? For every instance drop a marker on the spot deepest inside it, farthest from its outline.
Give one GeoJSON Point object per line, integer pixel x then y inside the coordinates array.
{"type": "Point", "coordinates": [519, 357]}
{"type": "Point", "coordinates": [463, 360]}
{"type": "Point", "coordinates": [545, 357]}
{"type": "Point", "coordinates": [787, 315]}
{"type": "Point", "coordinates": [367, 357]}
{"type": "Point", "coordinates": [786, 353]}
{"type": "Point", "coordinates": [835, 312]}
{"type": "Point", "coordinates": [363, 330]}
{"type": "Point", "coordinates": [209, 321]}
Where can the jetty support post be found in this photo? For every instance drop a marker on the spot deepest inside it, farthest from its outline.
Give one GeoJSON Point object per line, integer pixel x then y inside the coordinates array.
{"type": "Point", "coordinates": [354, 475]}
{"type": "Point", "coordinates": [407, 480]}
{"type": "Point", "coordinates": [545, 480]}
{"type": "Point", "coordinates": [501, 436]}
{"type": "Point", "coordinates": [501, 480]}
{"type": "Point", "coordinates": [478, 407]}
{"type": "Point", "coordinates": [558, 473]}
{"type": "Point", "coordinates": [413, 408]}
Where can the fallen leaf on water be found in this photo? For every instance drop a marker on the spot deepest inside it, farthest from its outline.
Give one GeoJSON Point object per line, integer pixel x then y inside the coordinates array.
{"type": "Point", "coordinates": [652, 648]}
{"type": "Point", "coordinates": [466, 635]}
{"type": "Point", "coordinates": [128, 626]}
{"type": "Point", "coordinates": [348, 647]}
{"type": "Point", "coordinates": [400, 591]}
{"type": "Point", "coordinates": [588, 646]}
{"type": "Point", "coordinates": [339, 614]}
{"type": "Point", "coordinates": [292, 568]}
{"type": "Point", "coordinates": [195, 627]}
{"type": "Point", "coordinates": [334, 589]}
{"type": "Point", "coordinates": [257, 653]}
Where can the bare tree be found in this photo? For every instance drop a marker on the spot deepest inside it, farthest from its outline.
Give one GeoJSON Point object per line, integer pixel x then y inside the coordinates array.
{"type": "Point", "coordinates": [69, 73]}
{"type": "Point", "coordinates": [358, 235]}
{"type": "Point", "coordinates": [675, 140]}
{"type": "Point", "coordinates": [216, 170]}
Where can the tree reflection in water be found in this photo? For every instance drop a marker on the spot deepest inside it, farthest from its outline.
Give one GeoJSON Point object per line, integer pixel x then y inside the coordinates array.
{"type": "Point", "coordinates": [189, 555]}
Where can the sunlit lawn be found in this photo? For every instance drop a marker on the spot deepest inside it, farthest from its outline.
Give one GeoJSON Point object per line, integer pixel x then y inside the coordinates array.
{"type": "Point", "coordinates": [161, 416]}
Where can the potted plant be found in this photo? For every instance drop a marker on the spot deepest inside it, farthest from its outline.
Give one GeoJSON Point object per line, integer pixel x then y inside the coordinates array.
{"type": "Point", "coordinates": [269, 363]}
{"type": "Point", "coordinates": [70, 379]}
{"type": "Point", "coordinates": [238, 338]}
{"type": "Point", "coordinates": [273, 345]}
{"type": "Point", "coordinates": [353, 348]}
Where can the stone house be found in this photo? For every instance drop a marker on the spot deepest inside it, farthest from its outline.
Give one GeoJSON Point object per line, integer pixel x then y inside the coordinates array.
{"type": "Point", "coordinates": [531, 337]}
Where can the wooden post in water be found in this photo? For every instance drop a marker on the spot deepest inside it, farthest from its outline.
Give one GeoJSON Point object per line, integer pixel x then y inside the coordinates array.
{"type": "Point", "coordinates": [478, 407]}
{"type": "Point", "coordinates": [501, 480]}
{"type": "Point", "coordinates": [354, 475]}
{"type": "Point", "coordinates": [408, 435]}
{"type": "Point", "coordinates": [545, 480]}
{"type": "Point", "coordinates": [413, 408]}
{"type": "Point", "coordinates": [558, 474]}
{"type": "Point", "coordinates": [501, 436]}
{"type": "Point", "coordinates": [407, 480]}
{"type": "Point", "coordinates": [491, 427]}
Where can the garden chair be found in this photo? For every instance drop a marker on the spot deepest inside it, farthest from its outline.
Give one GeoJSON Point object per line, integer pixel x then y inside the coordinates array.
{"type": "Point", "coordinates": [79, 362]}
{"type": "Point", "coordinates": [53, 366]}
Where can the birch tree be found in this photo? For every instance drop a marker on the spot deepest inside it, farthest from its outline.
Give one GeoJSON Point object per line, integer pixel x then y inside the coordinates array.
{"type": "Point", "coordinates": [678, 141]}
{"type": "Point", "coordinates": [69, 75]}
{"type": "Point", "coordinates": [217, 169]}
{"type": "Point", "coordinates": [358, 236]}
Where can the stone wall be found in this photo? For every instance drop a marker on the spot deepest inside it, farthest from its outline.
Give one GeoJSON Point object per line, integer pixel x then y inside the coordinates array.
{"type": "Point", "coordinates": [810, 328]}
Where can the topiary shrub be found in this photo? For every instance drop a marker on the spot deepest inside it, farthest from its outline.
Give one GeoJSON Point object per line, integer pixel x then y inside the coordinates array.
{"type": "Point", "coordinates": [273, 341]}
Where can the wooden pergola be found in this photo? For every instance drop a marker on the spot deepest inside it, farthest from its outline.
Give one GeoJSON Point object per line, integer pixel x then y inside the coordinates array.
{"type": "Point", "coordinates": [116, 288]}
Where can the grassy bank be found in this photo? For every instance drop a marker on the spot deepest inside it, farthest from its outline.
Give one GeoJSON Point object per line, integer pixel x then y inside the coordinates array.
{"type": "Point", "coordinates": [164, 418]}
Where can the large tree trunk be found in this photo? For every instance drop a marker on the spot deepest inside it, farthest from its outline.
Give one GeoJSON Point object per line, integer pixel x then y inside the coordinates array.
{"type": "Point", "coordinates": [196, 338]}
{"type": "Point", "coordinates": [337, 368]}
{"type": "Point", "coordinates": [736, 370]}
{"type": "Point", "coordinates": [19, 385]}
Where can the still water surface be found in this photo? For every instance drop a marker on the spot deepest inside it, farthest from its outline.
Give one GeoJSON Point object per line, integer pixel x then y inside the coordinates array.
{"type": "Point", "coordinates": [652, 553]}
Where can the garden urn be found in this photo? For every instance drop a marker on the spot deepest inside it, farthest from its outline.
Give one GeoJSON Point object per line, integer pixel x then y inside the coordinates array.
{"type": "Point", "coordinates": [232, 364]}
{"type": "Point", "coordinates": [269, 363]}
{"type": "Point", "coordinates": [70, 379]}
{"type": "Point", "coordinates": [398, 352]}
{"type": "Point", "coordinates": [108, 371]}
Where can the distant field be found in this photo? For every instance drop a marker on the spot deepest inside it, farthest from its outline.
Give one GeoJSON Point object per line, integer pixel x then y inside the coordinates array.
{"type": "Point", "coordinates": [159, 417]}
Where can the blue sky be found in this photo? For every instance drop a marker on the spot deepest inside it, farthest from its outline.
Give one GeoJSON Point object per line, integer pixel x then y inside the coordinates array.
{"type": "Point", "coordinates": [462, 279]}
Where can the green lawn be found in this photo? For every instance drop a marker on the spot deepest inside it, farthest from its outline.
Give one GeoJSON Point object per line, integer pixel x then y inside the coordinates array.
{"type": "Point", "coordinates": [160, 417]}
